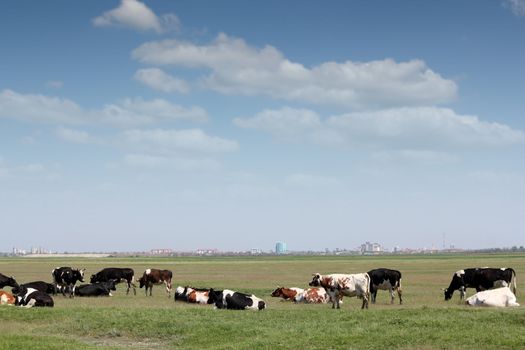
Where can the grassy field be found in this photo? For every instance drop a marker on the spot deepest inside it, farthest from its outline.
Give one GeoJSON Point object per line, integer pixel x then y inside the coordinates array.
{"type": "Point", "coordinates": [425, 321]}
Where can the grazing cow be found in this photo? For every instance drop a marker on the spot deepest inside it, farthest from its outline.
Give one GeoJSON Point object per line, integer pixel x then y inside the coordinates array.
{"type": "Point", "coordinates": [192, 295]}
{"type": "Point", "coordinates": [66, 277]}
{"type": "Point", "coordinates": [385, 279]}
{"type": "Point", "coordinates": [7, 298]}
{"type": "Point", "coordinates": [30, 297]}
{"type": "Point", "coordinates": [499, 297]}
{"type": "Point", "coordinates": [48, 288]}
{"type": "Point", "coordinates": [294, 293]}
{"type": "Point", "coordinates": [316, 296]}
{"type": "Point", "coordinates": [228, 299]}
{"type": "Point", "coordinates": [155, 276]}
{"type": "Point", "coordinates": [95, 289]}
{"type": "Point", "coordinates": [118, 274]}
{"type": "Point", "coordinates": [7, 281]}
{"type": "Point", "coordinates": [480, 278]}
{"type": "Point", "coordinates": [342, 284]}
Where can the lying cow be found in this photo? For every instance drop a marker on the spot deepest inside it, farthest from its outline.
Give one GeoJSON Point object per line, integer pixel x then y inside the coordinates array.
{"type": "Point", "coordinates": [192, 295]}
{"type": "Point", "coordinates": [30, 297]}
{"type": "Point", "coordinates": [342, 284]}
{"type": "Point", "coordinates": [155, 276]}
{"type": "Point", "coordinates": [7, 281]}
{"type": "Point", "coordinates": [385, 279]}
{"type": "Point", "coordinates": [499, 297]}
{"type": "Point", "coordinates": [95, 289]}
{"type": "Point", "coordinates": [316, 296]}
{"type": "Point", "coordinates": [295, 294]}
{"type": "Point", "coordinates": [7, 298]}
{"type": "Point", "coordinates": [118, 274]}
{"type": "Point", "coordinates": [48, 288]}
{"type": "Point", "coordinates": [228, 299]}
{"type": "Point", "coordinates": [480, 278]}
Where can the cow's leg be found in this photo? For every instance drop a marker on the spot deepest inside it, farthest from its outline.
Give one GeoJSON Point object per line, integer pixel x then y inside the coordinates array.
{"type": "Point", "coordinates": [150, 289]}
{"type": "Point", "coordinates": [337, 298]}
{"type": "Point", "coordinates": [399, 292]}
{"type": "Point", "coordinates": [392, 295]}
{"type": "Point", "coordinates": [374, 296]}
{"type": "Point", "coordinates": [463, 292]}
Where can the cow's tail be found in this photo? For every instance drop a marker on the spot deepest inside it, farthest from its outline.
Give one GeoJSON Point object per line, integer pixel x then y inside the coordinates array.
{"type": "Point", "coordinates": [367, 291]}
{"type": "Point", "coordinates": [513, 280]}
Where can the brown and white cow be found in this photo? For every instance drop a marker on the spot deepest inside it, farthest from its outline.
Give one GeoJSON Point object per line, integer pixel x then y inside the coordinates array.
{"type": "Point", "coordinates": [156, 276]}
{"type": "Point", "coordinates": [344, 284]}
{"type": "Point", "coordinates": [7, 298]}
{"type": "Point", "coordinates": [192, 295]}
{"type": "Point", "coordinates": [295, 294]}
{"type": "Point", "coordinates": [316, 295]}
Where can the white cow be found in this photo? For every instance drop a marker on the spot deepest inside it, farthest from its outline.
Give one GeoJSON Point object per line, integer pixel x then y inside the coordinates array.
{"type": "Point", "coordinates": [500, 297]}
{"type": "Point", "coordinates": [341, 284]}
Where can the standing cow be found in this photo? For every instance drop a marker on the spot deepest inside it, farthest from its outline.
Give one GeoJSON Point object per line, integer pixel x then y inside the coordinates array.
{"type": "Point", "coordinates": [342, 284]}
{"type": "Point", "coordinates": [118, 274]}
{"type": "Point", "coordinates": [66, 277]}
{"type": "Point", "coordinates": [480, 278]}
{"type": "Point", "coordinates": [156, 276]}
{"type": "Point", "coordinates": [385, 279]}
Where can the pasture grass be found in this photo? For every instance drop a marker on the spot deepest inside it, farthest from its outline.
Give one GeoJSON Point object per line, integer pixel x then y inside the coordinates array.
{"type": "Point", "coordinates": [424, 321]}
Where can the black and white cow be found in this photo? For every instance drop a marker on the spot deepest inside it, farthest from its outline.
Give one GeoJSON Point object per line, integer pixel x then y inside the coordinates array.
{"type": "Point", "coordinates": [66, 277]}
{"type": "Point", "coordinates": [228, 299]}
{"type": "Point", "coordinates": [118, 274]}
{"type": "Point", "coordinates": [30, 297]}
{"type": "Point", "coordinates": [156, 276]}
{"type": "Point", "coordinates": [7, 281]}
{"type": "Point", "coordinates": [95, 289]}
{"type": "Point", "coordinates": [385, 279]}
{"type": "Point", "coordinates": [48, 288]}
{"type": "Point", "coordinates": [480, 278]}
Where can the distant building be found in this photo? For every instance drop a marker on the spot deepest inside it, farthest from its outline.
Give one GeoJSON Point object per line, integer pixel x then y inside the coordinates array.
{"type": "Point", "coordinates": [162, 251]}
{"type": "Point", "coordinates": [280, 248]}
{"type": "Point", "coordinates": [255, 251]}
{"type": "Point", "coordinates": [371, 248]}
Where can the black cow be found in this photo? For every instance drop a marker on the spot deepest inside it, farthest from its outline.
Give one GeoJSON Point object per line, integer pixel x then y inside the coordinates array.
{"type": "Point", "coordinates": [7, 281]}
{"type": "Point", "coordinates": [118, 274]}
{"type": "Point", "coordinates": [480, 278]}
{"type": "Point", "coordinates": [30, 297]}
{"type": "Point", "coordinates": [156, 276]}
{"type": "Point", "coordinates": [228, 299]}
{"type": "Point", "coordinates": [48, 288]}
{"type": "Point", "coordinates": [385, 279]}
{"type": "Point", "coordinates": [66, 277]}
{"type": "Point", "coordinates": [95, 289]}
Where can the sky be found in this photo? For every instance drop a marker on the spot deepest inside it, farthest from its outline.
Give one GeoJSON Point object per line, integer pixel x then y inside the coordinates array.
{"type": "Point", "coordinates": [190, 124]}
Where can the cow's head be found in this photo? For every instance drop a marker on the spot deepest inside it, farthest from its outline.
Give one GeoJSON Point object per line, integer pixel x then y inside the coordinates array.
{"type": "Point", "coordinates": [180, 293]}
{"type": "Point", "coordinates": [278, 292]}
{"type": "Point", "coordinates": [215, 297]}
{"type": "Point", "coordinates": [316, 280]}
{"type": "Point", "coordinates": [111, 285]}
{"type": "Point", "coordinates": [11, 282]}
{"type": "Point", "coordinates": [142, 281]}
{"type": "Point", "coordinates": [78, 275]}
{"type": "Point", "coordinates": [456, 283]}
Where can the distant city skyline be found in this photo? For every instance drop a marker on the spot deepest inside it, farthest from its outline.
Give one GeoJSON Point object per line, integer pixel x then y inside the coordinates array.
{"type": "Point", "coordinates": [131, 125]}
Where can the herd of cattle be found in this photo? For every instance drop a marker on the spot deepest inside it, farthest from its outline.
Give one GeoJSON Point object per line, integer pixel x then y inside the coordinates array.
{"type": "Point", "coordinates": [493, 287]}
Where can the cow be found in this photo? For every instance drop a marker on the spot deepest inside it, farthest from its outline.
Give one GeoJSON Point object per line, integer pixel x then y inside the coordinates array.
{"type": "Point", "coordinates": [7, 298]}
{"type": "Point", "coordinates": [48, 288]}
{"type": "Point", "coordinates": [192, 295]}
{"type": "Point", "coordinates": [118, 274]}
{"type": "Point", "coordinates": [316, 296]}
{"type": "Point", "coordinates": [30, 297]}
{"type": "Point", "coordinates": [228, 299]}
{"type": "Point", "coordinates": [480, 278]}
{"type": "Point", "coordinates": [66, 277]}
{"type": "Point", "coordinates": [95, 289]}
{"type": "Point", "coordinates": [385, 279]}
{"type": "Point", "coordinates": [344, 284]}
{"type": "Point", "coordinates": [7, 281]}
{"type": "Point", "coordinates": [294, 293]}
{"type": "Point", "coordinates": [155, 276]}
{"type": "Point", "coordinates": [499, 297]}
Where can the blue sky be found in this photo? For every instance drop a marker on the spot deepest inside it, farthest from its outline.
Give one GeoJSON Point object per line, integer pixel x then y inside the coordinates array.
{"type": "Point", "coordinates": [128, 125]}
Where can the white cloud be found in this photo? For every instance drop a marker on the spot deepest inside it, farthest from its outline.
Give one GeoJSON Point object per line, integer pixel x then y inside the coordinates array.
{"type": "Point", "coordinates": [125, 113]}
{"type": "Point", "coordinates": [159, 80]}
{"type": "Point", "coordinates": [419, 156]}
{"type": "Point", "coordinates": [517, 6]}
{"type": "Point", "coordinates": [75, 136]}
{"type": "Point", "coordinates": [136, 15]}
{"type": "Point", "coordinates": [188, 140]}
{"type": "Point", "coordinates": [310, 181]}
{"type": "Point", "coordinates": [406, 128]}
{"type": "Point", "coordinates": [237, 68]}
{"type": "Point", "coordinates": [152, 162]}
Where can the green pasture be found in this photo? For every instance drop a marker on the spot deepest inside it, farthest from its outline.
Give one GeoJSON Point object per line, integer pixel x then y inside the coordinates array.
{"type": "Point", "coordinates": [424, 321]}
